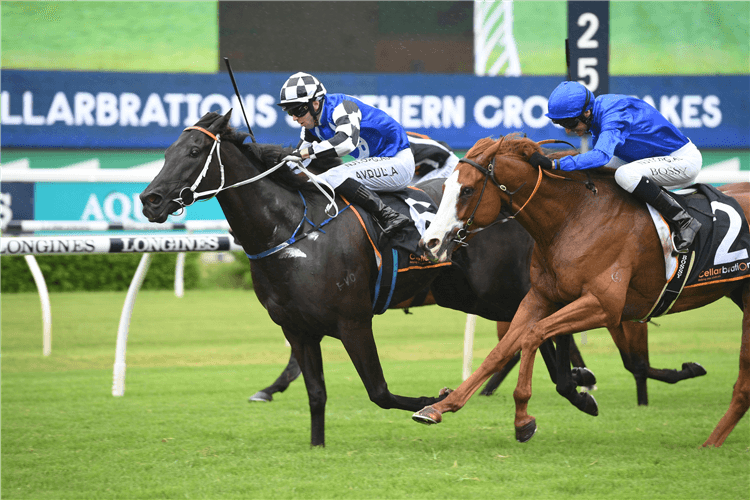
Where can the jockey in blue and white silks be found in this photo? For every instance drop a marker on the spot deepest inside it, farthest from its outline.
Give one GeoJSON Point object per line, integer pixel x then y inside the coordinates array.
{"type": "Point", "coordinates": [340, 125]}
{"type": "Point", "coordinates": [629, 135]}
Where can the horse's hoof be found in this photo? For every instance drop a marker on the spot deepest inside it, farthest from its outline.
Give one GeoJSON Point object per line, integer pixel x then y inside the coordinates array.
{"type": "Point", "coordinates": [261, 396]}
{"type": "Point", "coordinates": [428, 416]}
{"type": "Point", "coordinates": [444, 392]}
{"type": "Point", "coordinates": [583, 377]}
{"type": "Point", "coordinates": [487, 391]}
{"type": "Point", "coordinates": [588, 388]}
{"type": "Point", "coordinates": [590, 406]}
{"type": "Point", "coordinates": [695, 369]}
{"type": "Point", "coordinates": [526, 432]}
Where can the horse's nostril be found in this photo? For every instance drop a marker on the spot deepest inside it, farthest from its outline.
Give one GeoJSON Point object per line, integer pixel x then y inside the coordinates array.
{"type": "Point", "coordinates": [152, 199]}
{"type": "Point", "coordinates": [433, 243]}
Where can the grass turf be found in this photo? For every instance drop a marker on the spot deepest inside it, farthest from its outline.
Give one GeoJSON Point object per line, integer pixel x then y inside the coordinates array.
{"type": "Point", "coordinates": [184, 428]}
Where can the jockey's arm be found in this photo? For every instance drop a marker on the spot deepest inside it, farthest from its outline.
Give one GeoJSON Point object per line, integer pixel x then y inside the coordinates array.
{"type": "Point", "coordinates": [612, 135]}
{"type": "Point", "coordinates": [347, 118]}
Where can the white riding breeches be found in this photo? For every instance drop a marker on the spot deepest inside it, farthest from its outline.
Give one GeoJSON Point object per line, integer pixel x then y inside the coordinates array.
{"type": "Point", "coordinates": [376, 173]}
{"type": "Point", "coordinates": [439, 173]}
{"type": "Point", "coordinates": [675, 171]}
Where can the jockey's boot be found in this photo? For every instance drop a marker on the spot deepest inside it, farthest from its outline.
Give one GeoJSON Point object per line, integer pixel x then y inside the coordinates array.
{"type": "Point", "coordinates": [684, 227]}
{"type": "Point", "coordinates": [390, 220]}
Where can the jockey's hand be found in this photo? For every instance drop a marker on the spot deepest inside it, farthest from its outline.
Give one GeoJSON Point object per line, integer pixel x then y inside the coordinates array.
{"type": "Point", "coordinates": [539, 160]}
{"type": "Point", "coordinates": [295, 157]}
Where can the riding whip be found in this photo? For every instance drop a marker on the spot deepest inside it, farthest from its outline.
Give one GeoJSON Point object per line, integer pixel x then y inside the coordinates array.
{"type": "Point", "coordinates": [239, 98]}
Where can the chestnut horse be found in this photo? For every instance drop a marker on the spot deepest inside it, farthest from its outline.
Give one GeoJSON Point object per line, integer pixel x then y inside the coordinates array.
{"type": "Point", "coordinates": [580, 280]}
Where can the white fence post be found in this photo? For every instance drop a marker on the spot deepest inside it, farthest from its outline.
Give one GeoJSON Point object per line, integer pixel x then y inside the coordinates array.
{"type": "Point", "coordinates": [179, 276]}
{"type": "Point", "coordinates": [41, 286]}
{"type": "Point", "coordinates": [118, 382]}
{"type": "Point", "coordinates": [471, 322]}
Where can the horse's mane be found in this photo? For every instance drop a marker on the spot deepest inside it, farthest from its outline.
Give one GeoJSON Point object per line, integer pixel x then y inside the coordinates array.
{"type": "Point", "coordinates": [265, 156]}
{"type": "Point", "coordinates": [514, 144]}
{"type": "Point", "coordinates": [518, 146]}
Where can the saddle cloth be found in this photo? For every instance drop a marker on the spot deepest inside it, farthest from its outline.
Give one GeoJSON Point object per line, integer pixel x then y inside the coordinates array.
{"type": "Point", "coordinates": [721, 250]}
{"type": "Point", "coordinates": [398, 254]}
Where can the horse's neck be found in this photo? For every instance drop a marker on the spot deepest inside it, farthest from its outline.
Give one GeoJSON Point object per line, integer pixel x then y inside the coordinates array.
{"type": "Point", "coordinates": [261, 214]}
{"type": "Point", "coordinates": [559, 205]}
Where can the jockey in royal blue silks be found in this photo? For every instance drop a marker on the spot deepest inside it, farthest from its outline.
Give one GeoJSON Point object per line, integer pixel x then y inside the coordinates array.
{"type": "Point", "coordinates": [339, 125]}
{"type": "Point", "coordinates": [631, 136]}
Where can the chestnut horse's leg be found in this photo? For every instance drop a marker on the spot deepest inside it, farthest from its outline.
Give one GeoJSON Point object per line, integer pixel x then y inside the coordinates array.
{"type": "Point", "coordinates": [585, 313]}
{"type": "Point", "coordinates": [501, 354]}
{"type": "Point", "coordinates": [497, 378]}
{"type": "Point", "coordinates": [741, 393]}
{"type": "Point", "coordinates": [311, 362]}
{"type": "Point", "coordinates": [289, 375]}
{"type": "Point", "coordinates": [581, 375]}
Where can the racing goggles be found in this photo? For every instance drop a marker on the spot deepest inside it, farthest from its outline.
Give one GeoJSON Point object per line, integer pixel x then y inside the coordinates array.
{"type": "Point", "coordinates": [567, 123]}
{"type": "Point", "coordinates": [298, 111]}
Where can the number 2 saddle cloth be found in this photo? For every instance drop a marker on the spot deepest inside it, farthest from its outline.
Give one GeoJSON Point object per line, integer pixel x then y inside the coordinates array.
{"type": "Point", "coordinates": [720, 252]}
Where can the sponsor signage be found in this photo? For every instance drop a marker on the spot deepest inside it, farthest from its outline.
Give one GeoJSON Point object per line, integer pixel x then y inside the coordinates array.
{"type": "Point", "coordinates": [119, 203]}
{"type": "Point", "coordinates": [47, 245]}
{"type": "Point", "coordinates": [64, 109]}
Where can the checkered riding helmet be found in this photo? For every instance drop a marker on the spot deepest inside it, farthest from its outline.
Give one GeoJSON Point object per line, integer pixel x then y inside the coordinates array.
{"type": "Point", "coordinates": [300, 88]}
{"type": "Point", "coordinates": [569, 100]}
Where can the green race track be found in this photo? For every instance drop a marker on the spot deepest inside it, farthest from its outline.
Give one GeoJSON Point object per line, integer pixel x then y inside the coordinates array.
{"type": "Point", "coordinates": [184, 428]}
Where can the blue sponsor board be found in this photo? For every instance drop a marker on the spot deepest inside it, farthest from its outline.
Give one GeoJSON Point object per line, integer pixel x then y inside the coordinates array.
{"type": "Point", "coordinates": [63, 109]}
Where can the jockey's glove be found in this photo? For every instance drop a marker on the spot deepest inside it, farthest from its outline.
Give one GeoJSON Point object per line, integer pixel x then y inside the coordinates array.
{"type": "Point", "coordinates": [539, 160]}
{"type": "Point", "coordinates": [295, 157]}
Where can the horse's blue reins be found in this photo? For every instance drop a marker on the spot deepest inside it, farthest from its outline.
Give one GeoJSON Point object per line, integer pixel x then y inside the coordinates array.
{"type": "Point", "coordinates": [213, 192]}
{"type": "Point", "coordinates": [293, 239]}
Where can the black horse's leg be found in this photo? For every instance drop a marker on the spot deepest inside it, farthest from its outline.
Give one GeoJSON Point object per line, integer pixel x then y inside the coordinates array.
{"type": "Point", "coordinates": [583, 377]}
{"type": "Point", "coordinates": [289, 375]}
{"type": "Point", "coordinates": [632, 341]}
{"type": "Point", "coordinates": [310, 360]}
{"type": "Point", "coordinates": [360, 345]}
{"type": "Point", "coordinates": [566, 386]}
{"type": "Point", "coordinates": [548, 355]}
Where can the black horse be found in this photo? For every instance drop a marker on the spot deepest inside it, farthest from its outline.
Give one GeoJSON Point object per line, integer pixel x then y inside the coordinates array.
{"type": "Point", "coordinates": [303, 287]}
{"type": "Point", "coordinates": [492, 290]}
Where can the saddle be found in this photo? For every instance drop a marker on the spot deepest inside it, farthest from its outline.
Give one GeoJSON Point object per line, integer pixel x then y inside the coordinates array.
{"type": "Point", "coordinates": [398, 254]}
{"type": "Point", "coordinates": [720, 252]}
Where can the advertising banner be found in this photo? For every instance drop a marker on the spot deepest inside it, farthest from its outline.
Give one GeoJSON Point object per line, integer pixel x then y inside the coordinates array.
{"type": "Point", "coordinates": [64, 109]}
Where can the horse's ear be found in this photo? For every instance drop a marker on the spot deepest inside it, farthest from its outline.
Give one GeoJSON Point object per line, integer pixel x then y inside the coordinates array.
{"type": "Point", "coordinates": [491, 151]}
{"type": "Point", "coordinates": [221, 124]}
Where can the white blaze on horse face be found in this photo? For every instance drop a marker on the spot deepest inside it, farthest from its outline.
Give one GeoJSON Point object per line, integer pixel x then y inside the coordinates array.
{"type": "Point", "coordinates": [446, 219]}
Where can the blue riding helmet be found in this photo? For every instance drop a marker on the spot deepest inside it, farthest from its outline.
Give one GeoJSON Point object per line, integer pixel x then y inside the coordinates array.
{"type": "Point", "coordinates": [569, 100]}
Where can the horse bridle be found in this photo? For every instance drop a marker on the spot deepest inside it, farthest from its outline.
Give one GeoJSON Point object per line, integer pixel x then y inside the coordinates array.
{"type": "Point", "coordinates": [489, 173]}
{"type": "Point", "coordinates": [213, 192]}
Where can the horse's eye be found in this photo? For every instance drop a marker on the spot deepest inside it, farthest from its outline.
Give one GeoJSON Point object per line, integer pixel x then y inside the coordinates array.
{"type": "Point", "coordinates": [467, 191]}
{"type": "Point", "coordinates": [194, 152]}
